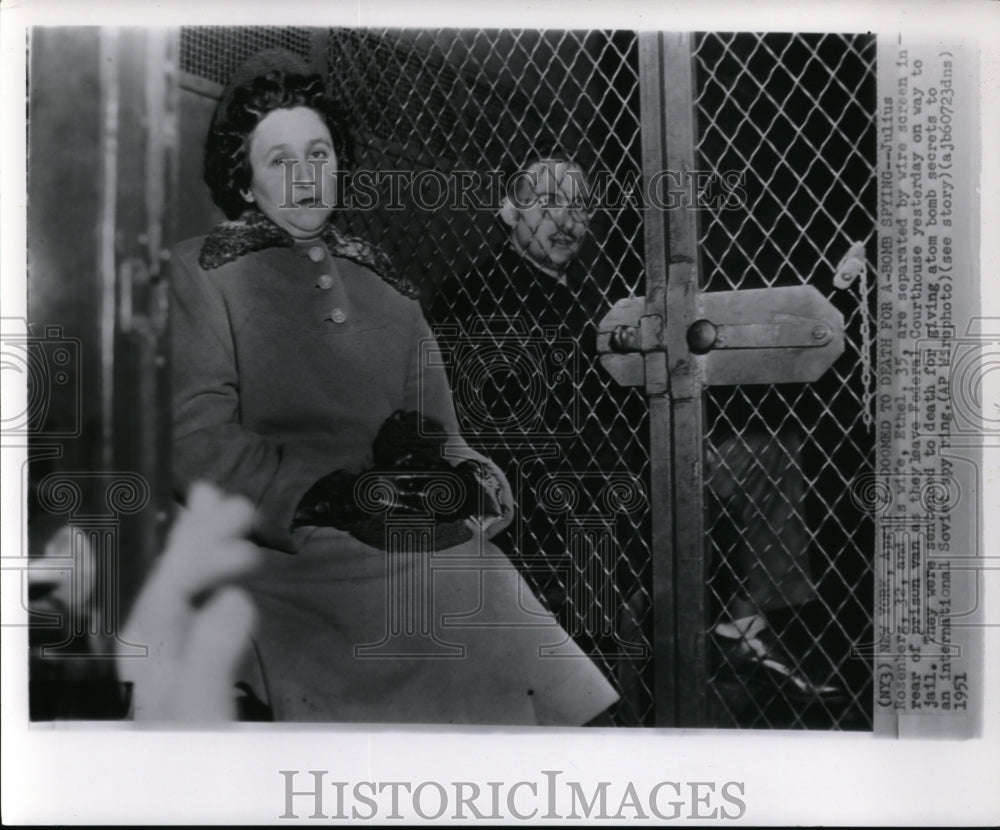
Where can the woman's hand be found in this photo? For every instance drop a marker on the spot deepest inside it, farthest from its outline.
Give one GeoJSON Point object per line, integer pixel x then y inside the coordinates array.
{"type": "Point", "coordinates": [488, 526]}
{"type": "Point", "coordinates": [196, 627]}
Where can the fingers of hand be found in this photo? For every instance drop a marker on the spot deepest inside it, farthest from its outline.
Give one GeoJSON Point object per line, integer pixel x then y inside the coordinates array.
{"type": "Point", "coordinates": [506, 492]}
{"type": "Point", "coordinates": [216, 514]}
{"type": "Point", "coordinates": [205, 549]}
{"type": "Point", "coordinates": [219, 637]}
{"type": "Point", "coordinates": [624, 338]}
{"type": "Point", "coordinates": [206, 544]}
{"type": "Point", "coordinates": [193, 681]}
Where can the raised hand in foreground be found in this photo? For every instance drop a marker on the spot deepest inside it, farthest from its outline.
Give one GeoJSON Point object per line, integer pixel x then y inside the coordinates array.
{"type": "Point", "coordinates": [195, 624]}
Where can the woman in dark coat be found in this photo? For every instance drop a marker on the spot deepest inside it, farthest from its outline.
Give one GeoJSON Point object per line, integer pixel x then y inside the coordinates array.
{"type": "Point", "coordinates": [292, 345]}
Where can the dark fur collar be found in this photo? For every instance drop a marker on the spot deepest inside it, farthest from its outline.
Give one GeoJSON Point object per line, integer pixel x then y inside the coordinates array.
{"type": "Point", "coordinates": [255, 232]}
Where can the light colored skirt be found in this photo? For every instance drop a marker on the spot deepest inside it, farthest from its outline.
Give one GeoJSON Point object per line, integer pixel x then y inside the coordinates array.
{"type": "Point", "coordinates": [350, 633]}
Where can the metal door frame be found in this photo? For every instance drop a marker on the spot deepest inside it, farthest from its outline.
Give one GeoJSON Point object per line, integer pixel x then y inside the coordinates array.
{"type": "Point", "coordinates": [674, 389]}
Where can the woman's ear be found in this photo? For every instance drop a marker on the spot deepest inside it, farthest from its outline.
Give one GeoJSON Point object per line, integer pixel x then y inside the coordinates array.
{"type": "Point", "coordinates": [247, 195]}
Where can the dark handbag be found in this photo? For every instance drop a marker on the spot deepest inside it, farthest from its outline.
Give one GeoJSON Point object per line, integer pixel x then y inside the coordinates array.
{"type": "Point", "coordinates": [410, 483]}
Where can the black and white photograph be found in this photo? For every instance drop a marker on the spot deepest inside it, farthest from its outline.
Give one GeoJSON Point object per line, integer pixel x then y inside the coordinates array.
{"type": "Point", "coordinates": [528, 421]}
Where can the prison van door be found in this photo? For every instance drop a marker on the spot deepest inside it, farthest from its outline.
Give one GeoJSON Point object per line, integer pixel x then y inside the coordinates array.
{"type": "Point", "coordinates": [764, 346]}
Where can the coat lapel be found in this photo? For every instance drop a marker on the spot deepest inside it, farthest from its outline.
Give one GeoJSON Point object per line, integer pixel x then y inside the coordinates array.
{"type": "Point", "coordinates": [255, 232]}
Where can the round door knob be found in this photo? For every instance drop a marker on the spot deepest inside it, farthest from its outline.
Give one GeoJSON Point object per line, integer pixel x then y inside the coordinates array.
{"type": "Point", "coordinates": [701, 336]}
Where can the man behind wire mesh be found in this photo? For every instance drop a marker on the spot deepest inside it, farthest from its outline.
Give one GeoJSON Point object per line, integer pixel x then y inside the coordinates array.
{"type": "Point", "coordinates": [515, 317]}
{"type": "Point", "coordinates": [519, 337]}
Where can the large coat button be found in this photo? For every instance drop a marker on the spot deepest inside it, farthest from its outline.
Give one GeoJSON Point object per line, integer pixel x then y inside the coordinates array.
{"type": "Point", "coordinates": [338, 315]}
{"type": "Point", "coordinates": [325, 282]}
{"type": "Point", "coordinates": [316, 253]}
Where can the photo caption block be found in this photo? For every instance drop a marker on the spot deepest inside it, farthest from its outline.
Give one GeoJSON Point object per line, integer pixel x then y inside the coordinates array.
{"type": "Point", "coordinates": [930, 341]}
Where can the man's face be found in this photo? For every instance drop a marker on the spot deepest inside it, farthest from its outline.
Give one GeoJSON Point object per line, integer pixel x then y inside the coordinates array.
{"type": "Point", "coordinates": [548, 219]}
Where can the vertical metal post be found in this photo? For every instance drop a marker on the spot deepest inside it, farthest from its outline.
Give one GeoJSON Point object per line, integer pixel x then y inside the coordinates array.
{"type": "Point", "coordinates": [110, 100]}
{"type": "Point", "coordinates": [655, 234]}
{"type": "Point", "coordinates": [674, 389]}
{"type": "Point", "coordinates": [144, 160]}
{"type": "Point", "coordinates": [683, 286]}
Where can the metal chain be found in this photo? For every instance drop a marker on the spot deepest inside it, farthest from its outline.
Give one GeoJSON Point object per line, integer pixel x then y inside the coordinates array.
{"type": "Point", "coordinates": [853, 266]}
{"type": "Point", "coordinates": [868, 390]}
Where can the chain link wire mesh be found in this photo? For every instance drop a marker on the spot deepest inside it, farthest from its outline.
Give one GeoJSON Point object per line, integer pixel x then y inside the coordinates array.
{"type": "Point", "coordinates": [795, 112]}
{"type": "Point", "coordinates": [215, 52]}
{"type": "Point", "coordinates": [573, 444]}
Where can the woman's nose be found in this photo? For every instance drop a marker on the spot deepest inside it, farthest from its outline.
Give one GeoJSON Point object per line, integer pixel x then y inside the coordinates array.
{"type": "Point", "coordinates": [304, 173]}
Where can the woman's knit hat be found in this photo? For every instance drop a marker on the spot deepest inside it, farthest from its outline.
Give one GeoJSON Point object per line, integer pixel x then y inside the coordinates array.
{"type": "Point", "coordinates": [259, 65]}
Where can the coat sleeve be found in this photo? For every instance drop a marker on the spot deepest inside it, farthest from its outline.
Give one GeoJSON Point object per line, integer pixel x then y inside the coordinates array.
{"type": "Point", "coordinates": [209, 442]}
{"type": "Point", "coordinates": [427, 387]}
{"type": "Point", "coordinates": [428, 390]}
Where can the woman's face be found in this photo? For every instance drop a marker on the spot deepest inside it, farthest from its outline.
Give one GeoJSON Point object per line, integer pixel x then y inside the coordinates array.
{"type": "Point", "coordinates": [293, 162]}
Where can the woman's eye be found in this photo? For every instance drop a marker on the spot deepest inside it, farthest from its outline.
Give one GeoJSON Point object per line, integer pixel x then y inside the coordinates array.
{"type": "Point", "coordinates": [320, 154]}
{"type": "Point", "coordinates": [279, 162]}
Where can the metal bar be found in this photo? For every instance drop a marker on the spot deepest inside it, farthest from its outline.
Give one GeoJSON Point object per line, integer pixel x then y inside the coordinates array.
{"type": "Point", "coordinates": [106, 232]}
{"type": "Point", "coordinates": [682, 294]}
{"type": "Point", "coordinates": [168, 105]}
{"type": "Point", "coordinates": [651, 86]}
{"type": "Point", "coordinates": [810, 334]}
{"type": "Point", "coordinates": [145, 196]}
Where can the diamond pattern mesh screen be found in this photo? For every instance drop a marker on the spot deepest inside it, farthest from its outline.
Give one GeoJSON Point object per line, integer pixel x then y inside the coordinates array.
{"type": "Point", "coordinates": [575, 445]}
{"type": "Point", "coordinates": [215, 52]}
{"type": "Point", "coordinates": [795, 113]}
